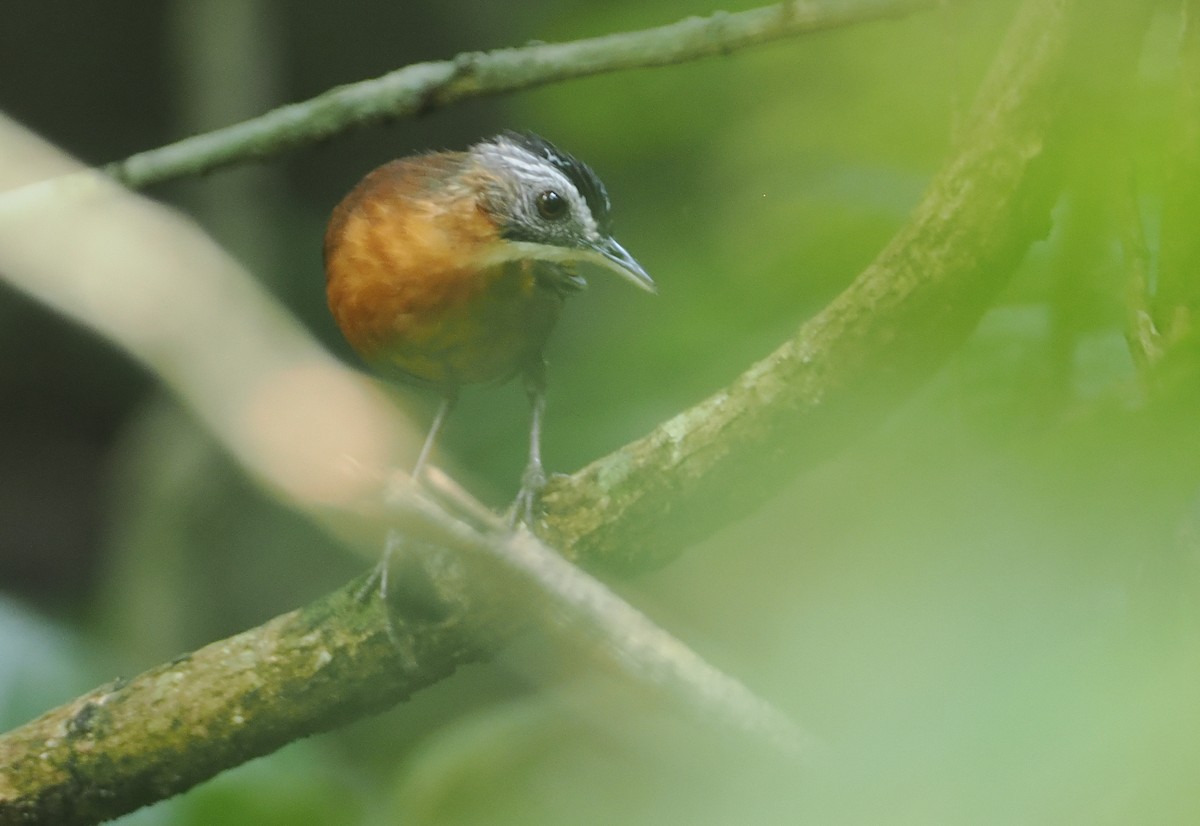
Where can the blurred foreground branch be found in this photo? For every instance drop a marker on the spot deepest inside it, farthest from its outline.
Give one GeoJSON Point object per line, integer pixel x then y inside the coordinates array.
{"type": "Point", "coordinates": [323, 439]}
{"type": "Point", "coordinates": [312, 669]}
{"type": "Point", "coordinates": [424, 87]}
{"type": "Point", "coordinates": [131, 743]}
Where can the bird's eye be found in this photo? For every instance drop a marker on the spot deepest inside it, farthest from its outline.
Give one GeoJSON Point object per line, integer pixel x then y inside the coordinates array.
{"type": "Point", "coordinates": [551, 205]}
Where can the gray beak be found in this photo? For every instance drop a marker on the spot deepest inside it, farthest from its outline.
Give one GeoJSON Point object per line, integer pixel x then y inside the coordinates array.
{"type": "Point", "coordinates": [612, 256]}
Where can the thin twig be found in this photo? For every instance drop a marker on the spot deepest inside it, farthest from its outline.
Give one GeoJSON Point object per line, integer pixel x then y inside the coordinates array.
{"type": "Point", "coordinates": [1141, 333]}
{"type": "Point", "coordinates": [424, 87]}
{"type": "Point", "coordinates": [1176, 300]}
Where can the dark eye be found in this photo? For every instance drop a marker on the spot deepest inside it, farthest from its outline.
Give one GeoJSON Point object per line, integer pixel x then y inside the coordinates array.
{"type": "Point", "coordinates": [551, 205]}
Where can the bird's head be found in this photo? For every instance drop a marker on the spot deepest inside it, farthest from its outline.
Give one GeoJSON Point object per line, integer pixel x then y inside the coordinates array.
{"type": "Point", "coordinates": [547, 205]}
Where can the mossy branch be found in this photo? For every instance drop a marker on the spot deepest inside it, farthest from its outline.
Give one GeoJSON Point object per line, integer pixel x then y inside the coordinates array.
{"type": "Point", "coordinates": [902, 318]}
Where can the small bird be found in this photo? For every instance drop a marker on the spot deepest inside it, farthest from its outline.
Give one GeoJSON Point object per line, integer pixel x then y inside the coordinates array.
{"type": "Point", "coordinates": [451, 268]}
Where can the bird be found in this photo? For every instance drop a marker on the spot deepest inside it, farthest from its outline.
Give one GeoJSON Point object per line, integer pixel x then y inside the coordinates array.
{"type": "Point", "coordinates": [450, 268]}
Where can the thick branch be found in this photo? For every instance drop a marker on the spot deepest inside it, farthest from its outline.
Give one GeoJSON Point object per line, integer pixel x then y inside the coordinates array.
{"type": "Point", "coordinates": [130, 743]}
{"type": "Point", "coordinates": [423, 87]}
{"type": "Point", "coordinates": [855, 361]}
{"type": "Point", "coordinates": [133, 742]}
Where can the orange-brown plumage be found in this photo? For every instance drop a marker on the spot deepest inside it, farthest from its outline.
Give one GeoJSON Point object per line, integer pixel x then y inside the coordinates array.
{"type": "Point", "coordinates": [451, 268]}
{"type": "Point", "coordinates": [405, 284]}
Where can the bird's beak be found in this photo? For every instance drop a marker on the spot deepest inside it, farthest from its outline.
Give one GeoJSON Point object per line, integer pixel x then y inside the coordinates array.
{"type": "Point", "coordinates": [612, 256]}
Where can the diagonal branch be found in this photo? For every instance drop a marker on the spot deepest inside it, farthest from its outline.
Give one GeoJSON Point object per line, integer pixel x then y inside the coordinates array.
{"type": "Point", "coordinates": [903, 317]}
{"type": "Point", "coordinates": [424, 87]}
{"type": "Point", "coordinates": [463, 594]}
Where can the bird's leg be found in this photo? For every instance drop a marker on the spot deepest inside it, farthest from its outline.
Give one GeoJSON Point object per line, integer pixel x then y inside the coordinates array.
{"type": "Point", "coordinates": [439, 419]}
{"type": "Point", "coordinates": [378, 581]}
{"type": "Point", "coordinates": [534, 477]}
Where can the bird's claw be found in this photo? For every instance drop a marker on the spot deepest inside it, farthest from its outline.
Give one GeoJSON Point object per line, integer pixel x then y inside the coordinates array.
{"type": "Point", "coordinates": [376, 582]}
{"type": "Point", "coordinates": [525, 507]}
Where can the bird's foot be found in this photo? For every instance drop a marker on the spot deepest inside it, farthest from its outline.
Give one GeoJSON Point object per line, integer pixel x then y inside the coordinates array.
{"type": "Point", "coordinates": [527, 505]}
{"type": "Point", "coordinates": [378, 582]}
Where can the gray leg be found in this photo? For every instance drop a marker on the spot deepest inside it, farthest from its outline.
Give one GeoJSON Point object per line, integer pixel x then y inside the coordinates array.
{"type": "Point", "coordinates": [439, 419]}
{"type": "Point", "coordinates": [534, 478]}
{"type": "Point", "coordinates": [379, 579]}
